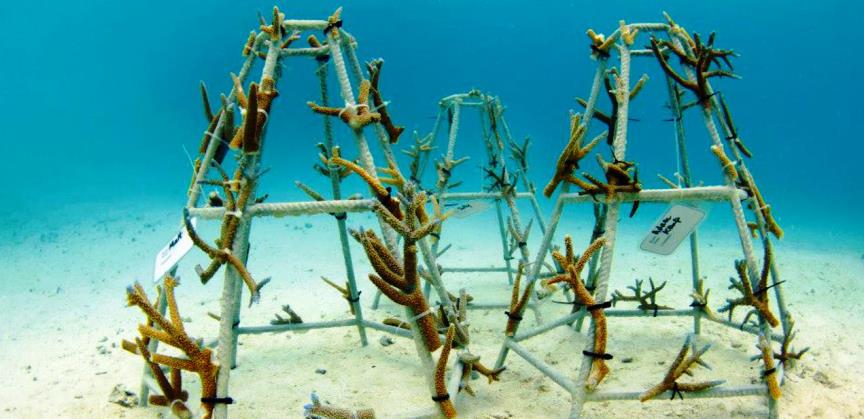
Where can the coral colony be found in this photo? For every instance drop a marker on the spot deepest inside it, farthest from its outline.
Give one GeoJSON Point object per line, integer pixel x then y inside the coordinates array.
{"type": "Point", "coordinates": [404, 244]}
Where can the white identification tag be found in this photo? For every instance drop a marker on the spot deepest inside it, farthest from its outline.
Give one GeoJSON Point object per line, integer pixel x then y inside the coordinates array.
{"type": "Point", "coordinates": [171, 254]}
{"type": "Point", "coordinates": [671, 229]}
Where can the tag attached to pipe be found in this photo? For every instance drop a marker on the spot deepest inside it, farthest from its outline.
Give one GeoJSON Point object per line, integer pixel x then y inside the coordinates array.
{"type": "Point", "coordinates": [171, 254]}
{"type": "Point", "coordinates": [671, 229]}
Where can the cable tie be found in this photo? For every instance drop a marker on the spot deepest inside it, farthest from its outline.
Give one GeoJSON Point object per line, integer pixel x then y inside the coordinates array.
{"type": "Point", "coordinates": [597, 355]}
{"type": "Point", "coordinates": [217, 400]}
{"type": "Point", "coordinates": [421, 315]}
{"type": "Point", "coordinates": [600, 306]}
{"type": "Point", "coordinates": [355, 299]}
{"type": "Point", "coordinates": [331, 26]}
{"type": "Point", "coordinates": [676, 392]}
{"type": "Point", "coordinates": [341, 216]}
{"type": "Point", "coordinates": [441, 397]}
{"type": "Point", "coordinates": [769, 371]}
{"type": "Point", "coordinates": [513, 316]}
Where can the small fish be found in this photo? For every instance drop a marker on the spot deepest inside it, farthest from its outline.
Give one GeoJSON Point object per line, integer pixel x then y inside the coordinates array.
{"type": "Point", "coordinates": [469, 208]}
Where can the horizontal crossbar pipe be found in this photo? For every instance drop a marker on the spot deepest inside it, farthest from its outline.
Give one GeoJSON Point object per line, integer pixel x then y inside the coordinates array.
{"type": "Point", "coordinates": [393, 330]}
{"type": "Point", "coordinates": [465, 196]}
{"type": "Point", "coordinates": [716, 392]}
{"type": "Point", "coordinates": [477, 269]}
{"type": "Point", "coordinates": [753, 330]}
{"type": "Point", "coordinates": [282, 209]}
{"type": "Point", "coordinates": [275, 328]}
{"type": "Point", "coordinates": [306, 52]}
{"type": "Point", "coordinates": [702, 193]}
{"type": "Point", "coordinates": [528, 334]}
{"type": "Point", "coordinates": [300, 24]}
{"type": "Point", "coordinates": [648, 313]}
{"type": "Point", "coordinates": [543, 367]}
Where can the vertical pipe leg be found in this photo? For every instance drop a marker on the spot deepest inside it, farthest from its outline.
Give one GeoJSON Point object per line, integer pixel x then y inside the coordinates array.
{"type": "Point", "coordinates": [505, 251]}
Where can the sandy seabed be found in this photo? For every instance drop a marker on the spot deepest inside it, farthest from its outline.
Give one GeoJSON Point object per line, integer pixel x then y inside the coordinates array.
{"type": "Point", "coordinates": [63, 275]}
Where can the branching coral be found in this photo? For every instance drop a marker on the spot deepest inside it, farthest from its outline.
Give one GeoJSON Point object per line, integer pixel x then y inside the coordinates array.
{"type": "Point", "coordinates": [255, 110]}
{"type": "Point", "coordinates": [647, 299]}
{"type": "Point", "coordinates": [418, 152]}
{"type": "Point", "coordinates": [703, 57]}
{"type": "Point", "coordinates": [769, 374]}
{"type": "Point", "coordinates": [680, 366]}
{"type": "Point", "coordinates": [221, 253]}
{"type": "Point", "coordinates": [763, 207]}
{"type": "Point", "coordinates": [356, 115]}
{"type": "Point", "coordinates": [382, 194]}
{"type": "Point", "coordinates": [318, 410]}
{"type": "Point", "coordinates": [572, 276]}
{"type": "Point", "coordinates": [170, 331]}
{"type": "Point", "coordinates": [570, 157]}
{"type": "Point", "coordinates": [758, 299]}
{"type": "Point", "coordinates": [517, 302]}
{"type": "Point", "coordinates": [293, 317]}
{"type": "Point", "coordinates": [787, 355]}
{"type": "Point", "coordinates": [344, 291]}
{"type": "Point", "coordinates": [401, 282]}
{"type": "Point", "coordinates": [726, 162]}
{"type": "Point", "coordinates": [611, 119]}
{"type": "Point", "coordinates": [618, 180]}
{"type": "Point", "coordinates": [393, 131]}
{"type": "Point", "coordinates": [442, 397]}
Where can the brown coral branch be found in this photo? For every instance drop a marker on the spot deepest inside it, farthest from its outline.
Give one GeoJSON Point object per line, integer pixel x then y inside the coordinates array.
{"type": "Point", "coordinates": [680, 366]}
{"type": "Point", "coordinates": [769, 374]}
{"type": "Point", "coordinates": [725, 161]}
{"type": "Point", "coordinates": [759, 301]}
{"type": "Point", "coordinates": [393, 131]}
{"type": "Point", "coordinates": [574, 268]}
{"type": "Point", "coordinates": [198, 360]}
{"type": "Point", "coordinates": [569, 159]}
{"type": "Point", "coordinates": [356, 115]}
{"type": "Point", "coordinates": [442, 397]}
{"type": "Point", "coordinates": [517, 302]}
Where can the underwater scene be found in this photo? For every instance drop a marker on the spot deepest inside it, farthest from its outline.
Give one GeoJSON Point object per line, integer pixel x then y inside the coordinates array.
{"type": "Point", "coordinates": [388, 209]}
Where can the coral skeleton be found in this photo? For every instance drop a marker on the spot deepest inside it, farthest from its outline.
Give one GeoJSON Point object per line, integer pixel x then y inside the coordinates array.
{"type": "Point", "coordinates": [769, 374]}
{"type": "Point", "coordinates": [442, 397]}
{"type": "Point", "coordinates": [682, 364]}
{"type": "Point", "coordinates": [611, 119]}
{"type": "Point", "coordinates": [647, 299]}
{"type": "Point", "coordinates": [572, 277]}
{"type": "Point", "coordinates": [170, 331]}
{"type": "Point", "coordinates": [356, 115]}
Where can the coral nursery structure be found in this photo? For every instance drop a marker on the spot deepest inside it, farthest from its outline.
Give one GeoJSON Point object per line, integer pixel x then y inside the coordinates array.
{"type": "Point", "coordinates": [410, 215]}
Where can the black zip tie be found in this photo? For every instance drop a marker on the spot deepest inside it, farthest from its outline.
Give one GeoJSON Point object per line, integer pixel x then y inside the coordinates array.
{"type": "Point", "coordinates": [235, 324]}
{"type": "Point", "coordinates": [355, 299]}
{"type": "Point", "coordinates": [513, 316]}
{"type": "Point", "coordinates": [323, 58]}
{"type": "Point", "coordinates": [437, 236]}
{"type": "Point", "coordinates": [676, 392]}
{"type": "Point", "coordinates": [441, 398]}
{"type": "Point", "coordinates": [523, 244]}
{"type": "Point", "coordinates": [331, 26]}
{"type": "Point", "coordinates": [341, 216]}
{"type": "Point", "coordinates": [599, 306]}
{"type": "Point", "coordinates": [762, 291]}
{"type": "Point", "coordinates": [696, 304]}
{"type": "Point", "coordinates": [217, 400]}
{"type": "Point", "coordinates": [769, 371]}
{"type": "Point", "coordinates": [597, 355]}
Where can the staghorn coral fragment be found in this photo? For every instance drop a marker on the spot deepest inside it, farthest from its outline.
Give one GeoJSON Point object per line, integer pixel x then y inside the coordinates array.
{"type": "Point", "coordinates": [701, 60]}
{"type": "Point", "coordinates": [393, 131]}
{"type": "Point", "coordinates": [517, 302]}
{"type": "Point", "coordinates": [647, 299]}
{"type": "Point", "coordinates": [763, 207]}
{"type": "Point", "coordinates": [680, 366]}
{"type": "Point", "coordinates": [208, 113]}
{"type": "Point", "coordinates": [769, 374]}
{"type": "Point", "coordinates": [569, 159]}
{"type": "Point", "coordinates": [393, 321]}
{"type": "Point", "coordinates": [317, 410]}
{"type": "Point", "coordinates": [355, 115]}
{"type": "Point", "coordinates": [787, 356]}
{"type": "Point", "coordinates": [726, 162]}
{"type": "Point", "coordinates": [572, 276]}
{"type": "Point", "coordinates": [344, 291]}
{"type": "Point", "coordinates": [382, 193]}
{"type": "Point", "coordinates": [442, 397]}
{"type": "Point", "coordinates": [171, 332]}
{"type": "Point", "coordinates": [611, 119]}
{"type": "Point", "coordinates": [758, 299]}
{"type": "Point", "coordinates": [249, 46]}
{"type": "Point", "coordinates": [293, 317]}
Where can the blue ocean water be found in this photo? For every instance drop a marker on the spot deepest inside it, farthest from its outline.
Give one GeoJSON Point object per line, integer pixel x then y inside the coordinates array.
{"type": "Point", "coordinates": [101, 98]}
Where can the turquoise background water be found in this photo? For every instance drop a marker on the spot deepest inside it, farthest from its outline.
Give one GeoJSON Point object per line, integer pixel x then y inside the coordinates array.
{"type": "Point", "coordinates": [100, 98]}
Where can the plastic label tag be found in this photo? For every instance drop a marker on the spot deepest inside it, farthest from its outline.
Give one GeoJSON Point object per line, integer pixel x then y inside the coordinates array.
{"type": "Point", "coordinates": [171, 254]}
{"type": "Point", "coordinates": [469, 208]}
{"type": "Point", "coordinates": [671, 229]}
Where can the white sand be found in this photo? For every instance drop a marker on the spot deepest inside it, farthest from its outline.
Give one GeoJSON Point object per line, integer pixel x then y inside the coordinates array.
{"type": "Point", "coordinates": [62, 295]}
